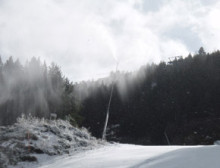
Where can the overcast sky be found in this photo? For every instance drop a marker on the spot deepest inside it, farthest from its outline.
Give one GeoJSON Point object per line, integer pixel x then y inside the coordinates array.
{"type": "Point", "coordinates": [87, 37]}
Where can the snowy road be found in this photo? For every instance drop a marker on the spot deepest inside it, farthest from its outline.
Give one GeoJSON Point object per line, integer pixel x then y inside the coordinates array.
{"type": "Point", "coordinates": [132, 156]}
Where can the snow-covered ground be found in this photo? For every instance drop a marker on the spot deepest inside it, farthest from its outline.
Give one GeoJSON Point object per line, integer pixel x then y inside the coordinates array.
{"type": "Point", "coordinates": [34, 143]}
{"type": "Point", "coordinates": [134, 156]}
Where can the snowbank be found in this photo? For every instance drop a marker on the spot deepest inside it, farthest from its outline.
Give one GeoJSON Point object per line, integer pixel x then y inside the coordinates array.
{"type": "Point", "coordinates": [200, 157]}
{"type": "Point", "coordinates": [32, 139]}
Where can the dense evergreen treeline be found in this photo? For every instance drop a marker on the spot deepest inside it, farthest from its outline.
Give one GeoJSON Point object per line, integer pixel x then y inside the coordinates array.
{"type": "Point", "coordinates": [176, 102]}
{"type": "Point", "coordinates": [34, 89]}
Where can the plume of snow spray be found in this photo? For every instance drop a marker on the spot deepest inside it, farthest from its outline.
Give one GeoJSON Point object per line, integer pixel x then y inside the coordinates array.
{"type": "Point", "coordinates": [107, 39]}
{"type": "Point", "coordinates": [110, 42]}
{"type": "Point", "coordinates": [108, 108]}
{"type": "Point", "coordinates": [113, 50]}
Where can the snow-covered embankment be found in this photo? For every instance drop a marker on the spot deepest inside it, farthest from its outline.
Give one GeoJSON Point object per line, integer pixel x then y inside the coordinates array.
{"type": "Point", "coordinates": [34, 140]}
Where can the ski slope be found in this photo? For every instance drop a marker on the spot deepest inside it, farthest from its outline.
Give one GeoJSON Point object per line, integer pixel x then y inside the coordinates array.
{"type": "Point", "coordinates": [134, 156]}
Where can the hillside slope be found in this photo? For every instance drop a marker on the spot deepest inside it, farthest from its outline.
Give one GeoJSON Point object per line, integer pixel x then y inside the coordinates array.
{"type": "Point", "coordinates": [31, 140]}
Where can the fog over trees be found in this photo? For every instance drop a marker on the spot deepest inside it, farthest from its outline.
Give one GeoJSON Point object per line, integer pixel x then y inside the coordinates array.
{"type": "Point", "coordinates": [176, 101]}
{"type": "Point", "coordinates": [33, 89]}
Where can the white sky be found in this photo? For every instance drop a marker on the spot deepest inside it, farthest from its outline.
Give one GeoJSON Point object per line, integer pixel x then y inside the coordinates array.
{"type": "Point", "coordinates": [86, 37]}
